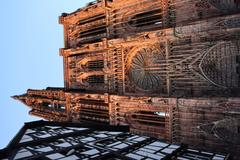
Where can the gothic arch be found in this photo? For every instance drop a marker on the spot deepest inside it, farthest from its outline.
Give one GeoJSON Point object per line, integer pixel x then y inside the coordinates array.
{"type": "Point", "coordinates": [227, 130]}
{"type": "Point", "coordinates": [144, 120]}
{"type": "Point", "coordinates": [140, 18]}
{"type": "Point", "coordinates": [220, 64]}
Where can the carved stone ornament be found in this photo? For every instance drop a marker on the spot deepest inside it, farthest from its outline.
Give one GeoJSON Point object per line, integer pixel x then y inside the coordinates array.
{"type": "Point", "coordinates": [226, 129]}
{"type": "Point", "coordinates": [142, 69]}
{"type": "Point", "coordinates": [226, 5]}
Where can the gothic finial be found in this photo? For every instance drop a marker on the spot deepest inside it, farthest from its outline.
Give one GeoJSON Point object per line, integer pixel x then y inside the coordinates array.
{"type": "Point", "coordinates": [22, 98]}
{"type": "Point", "coordinates": [19, 97]}
{"type": "Point", "coordinates": [14, 97]}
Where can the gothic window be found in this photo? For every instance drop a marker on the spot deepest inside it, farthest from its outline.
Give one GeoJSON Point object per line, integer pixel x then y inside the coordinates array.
{"type": "Point", "coordinates": [53, 106]}
{"type": "Point", "coordinates": [95, 65]}
{"type": "Point", "coordinates": [93, 110]}
{"type": "Point", "coordinates": [149, 18]}
{"type": "Point", "coordinates": [220, 65]}
{"type": "Point", "coordinates": [91, 19]}
{"type": "Point", "coordinates": [150, 118]}
{"type": "Point", "coordinates": [94, 29]}
{"type": "Point", "coordinates": [95, 79]}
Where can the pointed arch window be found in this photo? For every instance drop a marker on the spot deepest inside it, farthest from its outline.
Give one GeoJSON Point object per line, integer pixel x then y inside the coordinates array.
{"type": "Point", "coordinates": [95, 79]}
{"type": "Point", "coordinates": [95, 65]}
{"type": "Point", "coordinates": [151, 18]}
{"type": "Point", "coordinates": [53, 106]}
{"type": "Point", "coordinates": [150, 117]}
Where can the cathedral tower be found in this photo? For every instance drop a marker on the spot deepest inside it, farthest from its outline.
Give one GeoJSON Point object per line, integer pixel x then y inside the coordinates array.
{"type": "Point", "coordinates": [166, 68]}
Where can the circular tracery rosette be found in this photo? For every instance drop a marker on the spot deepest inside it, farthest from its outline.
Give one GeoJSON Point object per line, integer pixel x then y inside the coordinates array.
{"type": "Point", "coordinates": [143, 70]}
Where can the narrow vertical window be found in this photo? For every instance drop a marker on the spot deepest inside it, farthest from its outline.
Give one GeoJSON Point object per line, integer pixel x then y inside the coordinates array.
{"type": "Point", "coordinates": [95, 65]}
{"type": "Point", "coordinates": [95, 79]}
{"type": "Point", "coordinates": [150, 118]}
{"type": "Point", "coordinates": [150, 18]}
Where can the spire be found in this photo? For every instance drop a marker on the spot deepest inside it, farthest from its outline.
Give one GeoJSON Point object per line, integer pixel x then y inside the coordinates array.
{"type": "Point", "coordinates": [49, 104]}
{"type": "Point", "coordinates": [19, 97]}
{"type": "Point", "coordinates": [22, 98]}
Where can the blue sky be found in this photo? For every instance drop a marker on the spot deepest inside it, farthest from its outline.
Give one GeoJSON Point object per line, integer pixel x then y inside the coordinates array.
{"type": "Point", "coordinates": [29, 46]}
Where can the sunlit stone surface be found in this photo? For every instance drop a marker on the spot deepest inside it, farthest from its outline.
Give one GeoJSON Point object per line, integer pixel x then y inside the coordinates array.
{"type": "Point", "coordinates": [167, 69]}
